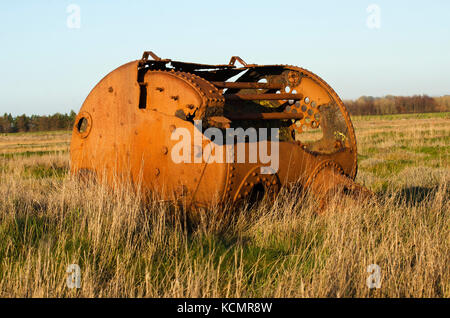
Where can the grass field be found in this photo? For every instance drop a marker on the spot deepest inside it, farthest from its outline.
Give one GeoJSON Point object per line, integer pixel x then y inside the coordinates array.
{"type": "Point", "coordinates": [126, 249]}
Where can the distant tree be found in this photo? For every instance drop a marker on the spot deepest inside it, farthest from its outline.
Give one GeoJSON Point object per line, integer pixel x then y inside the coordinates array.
{"type": "Point", "coordinates": [22, 123]}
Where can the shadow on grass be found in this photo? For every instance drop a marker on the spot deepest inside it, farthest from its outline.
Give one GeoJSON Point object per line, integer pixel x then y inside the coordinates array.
{"type": "Point", "coordinates": [416, 195]}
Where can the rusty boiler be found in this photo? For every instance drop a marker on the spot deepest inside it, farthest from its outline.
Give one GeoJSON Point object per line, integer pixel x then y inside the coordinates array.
{"type": "Point", "coordinates": [165, 124]}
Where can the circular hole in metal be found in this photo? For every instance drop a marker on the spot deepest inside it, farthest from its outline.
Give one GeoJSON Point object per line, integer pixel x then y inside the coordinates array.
{"type": "Point", "coordinates": [287, 89]}
{"type": "Point", "coordinates": [317, 116]}
{"type": "Point", "coordinates": [307, 100]}
{"type": "Point", "coordinates": [82, 125]}
{"type": "Point", "coordinates": [307, 120]}
{"type": "Point", "coordinates": [288, 108]}
{"type": "Point", "coordinates": [310, 112]}
{"type": "Point", "coordinates": [291, 101]}
{"type": "Point", "coordinates": [313, 104]}
{"type": "Point", "coordinates": [304, 108]}
{"type": "Point", "coordinates": [262, 80]}
{"type": "Point", "coordinates": [294, 111]}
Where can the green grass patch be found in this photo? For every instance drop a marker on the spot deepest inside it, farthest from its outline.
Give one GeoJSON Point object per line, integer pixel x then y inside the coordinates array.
{"type": "Point", "coordinates": [39, 133]}
{"type": "Point", "coordinates": [42, 171]}
{"type": "Point", "coordinates": [402, 116]}
{"type": "Point", "coordinates": [28, 154]}
{"type": "Point", "coordinates": [389, 167]}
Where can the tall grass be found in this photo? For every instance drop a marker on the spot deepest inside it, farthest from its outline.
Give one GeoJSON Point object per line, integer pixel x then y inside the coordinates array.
{"type": "Point", "coordinates": [126, 247]}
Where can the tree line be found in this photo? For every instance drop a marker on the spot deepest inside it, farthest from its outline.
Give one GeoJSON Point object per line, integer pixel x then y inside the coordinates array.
{"type": "Point", "coordinates": [24, 123]}
{"type": "Point", "coordinates": [365, 105]}
{"type": "Point", "coordinates": [368, 105]}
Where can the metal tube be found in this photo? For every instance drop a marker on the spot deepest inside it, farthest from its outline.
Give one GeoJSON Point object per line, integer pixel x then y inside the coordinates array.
{"type": "Point", "coordinates": [281, 96]}
{"type": "Point", "coordinates": [247, 85]}
{"type": "Point", "coordinates": [264, 116]}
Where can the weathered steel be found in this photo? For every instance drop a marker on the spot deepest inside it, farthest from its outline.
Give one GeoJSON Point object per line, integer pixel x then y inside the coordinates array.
{"type": "Point", "coordinates": [130, 125]}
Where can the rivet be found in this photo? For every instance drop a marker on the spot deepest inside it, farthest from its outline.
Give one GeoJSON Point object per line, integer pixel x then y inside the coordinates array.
{"type": "Point", "coordinates": [157, 172]}
{"type": "Point", "coordinates": [165, 150]}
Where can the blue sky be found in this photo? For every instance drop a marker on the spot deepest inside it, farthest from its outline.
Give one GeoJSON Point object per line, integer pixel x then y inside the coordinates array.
{"type": "Point", "coordinates": [48, 67]}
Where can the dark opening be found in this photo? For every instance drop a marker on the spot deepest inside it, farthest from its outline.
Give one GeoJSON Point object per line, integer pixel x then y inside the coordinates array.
{"type": "Point", "coordinates": [82, 125]}
{"type": "Point", "coordinates": [256, 195]}
{"type": "Point", "coordinates": [142, 95]}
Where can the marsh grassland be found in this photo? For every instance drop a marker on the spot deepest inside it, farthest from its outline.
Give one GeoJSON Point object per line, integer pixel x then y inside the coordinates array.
{"type": "Point", "coordinates": [126, 249]}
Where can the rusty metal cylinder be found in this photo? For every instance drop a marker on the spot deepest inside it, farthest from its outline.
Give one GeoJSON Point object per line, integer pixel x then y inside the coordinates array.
{"type": "Point", "coordinates": [152, 122]}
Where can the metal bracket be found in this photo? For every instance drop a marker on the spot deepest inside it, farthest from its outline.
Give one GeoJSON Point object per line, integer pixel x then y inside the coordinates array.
{"type": "Point", "coordinates": [155, 57]}
{"type": "Point", "coordinates": [237, 58]}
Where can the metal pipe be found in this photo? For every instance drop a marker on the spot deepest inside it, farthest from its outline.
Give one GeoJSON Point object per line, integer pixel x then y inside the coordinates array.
{"type": "Point", "coordinates": [247, 85]}
{"type": "Point", "coordinates": [265, 116]}
{"type": "Point", "coordinates": [281, 96]}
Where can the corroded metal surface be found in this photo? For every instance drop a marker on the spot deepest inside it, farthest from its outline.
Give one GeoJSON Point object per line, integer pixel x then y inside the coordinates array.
{"type": "Point", "coordinates": [126, 126]}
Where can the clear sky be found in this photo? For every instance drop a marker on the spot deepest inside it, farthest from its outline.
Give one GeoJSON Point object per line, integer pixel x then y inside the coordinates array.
{"type": "Point", "coordinates": [47, 67]}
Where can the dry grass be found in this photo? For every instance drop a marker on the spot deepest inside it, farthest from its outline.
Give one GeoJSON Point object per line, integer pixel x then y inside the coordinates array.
{"type": "Point", "coordinates": [127, 249]}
